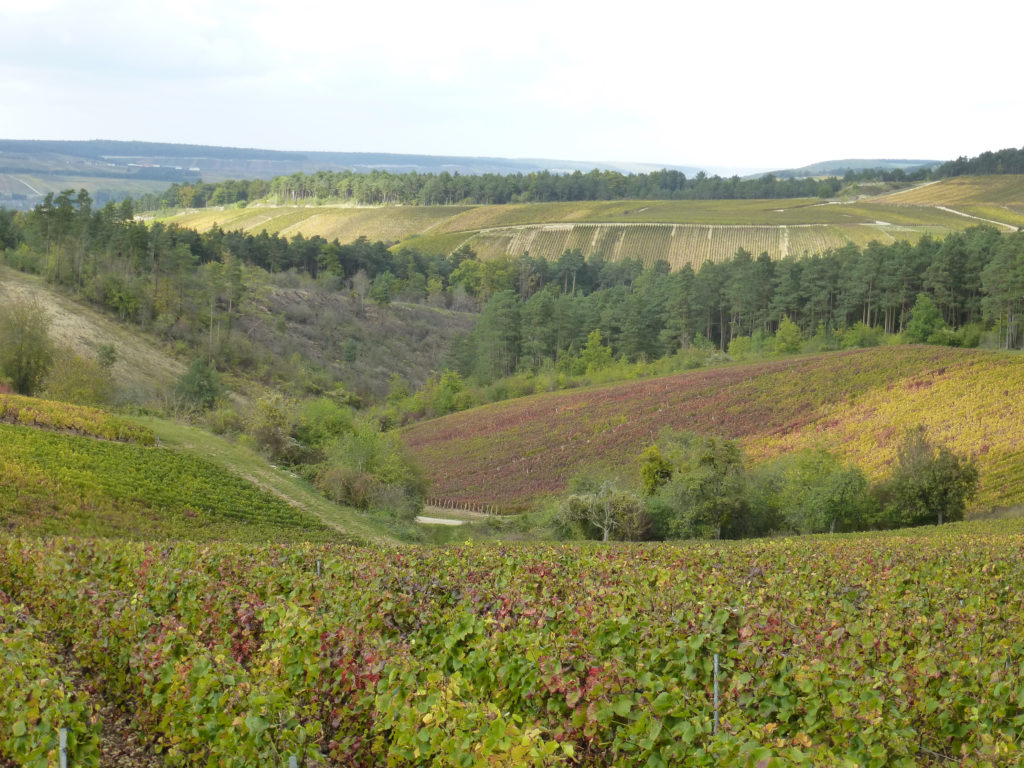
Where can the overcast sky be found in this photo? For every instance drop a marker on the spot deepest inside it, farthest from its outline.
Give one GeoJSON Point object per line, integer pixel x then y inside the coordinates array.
{"type": "Point", "coordinates": [741, 85]}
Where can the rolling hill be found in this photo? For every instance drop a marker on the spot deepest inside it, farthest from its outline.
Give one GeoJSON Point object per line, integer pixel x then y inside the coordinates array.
{"type": "Point", "coordinates": [681, 232]}
{"type": "Point", "coordinates": [856, 403]}
{"type": "Point", "coordinates": [113, 169]}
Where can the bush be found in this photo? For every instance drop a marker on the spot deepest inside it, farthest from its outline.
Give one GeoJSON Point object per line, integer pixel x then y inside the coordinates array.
{"type": "Point", "coordinates": [26, 351]}
{"type": "Point", "coordinates": [199, 387]}
{"type": "Point", "coordinates": [862, 335]}
{"type": "Point", "coordinates": [346, 485]}
{"type": "Point", "coordinates": [607, 513]}
{"type": "Point", "coordinates": [75, 379]}
{"type": "Point", "coordinates": [224, 421]}
{"type": "Point", "coordinates": [270, 424]}
{"type": "Point", "coordinates": [788, 338]}
{"type": "Point", "coordinates": [929, 484]}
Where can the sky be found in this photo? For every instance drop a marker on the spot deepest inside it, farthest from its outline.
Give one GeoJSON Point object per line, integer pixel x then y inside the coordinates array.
{"type": "Point", "coordinates": [743, 86]}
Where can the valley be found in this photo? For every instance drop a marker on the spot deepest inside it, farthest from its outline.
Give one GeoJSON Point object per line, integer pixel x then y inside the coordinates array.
{"type": "Point", "coordinates": [576, 483]}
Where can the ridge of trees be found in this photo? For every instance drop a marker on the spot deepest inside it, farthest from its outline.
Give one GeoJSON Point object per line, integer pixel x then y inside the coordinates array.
{"type": "Point", "coordinates": [385, 188]}
{"type": "Point", "coordinates": [414, 188]}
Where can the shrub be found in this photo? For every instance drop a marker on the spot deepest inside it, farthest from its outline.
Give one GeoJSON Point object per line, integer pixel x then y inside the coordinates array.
{"type": "Point", "coordinates": [270, 424]}
{"type": "Point", "coordinates": [75, 379]}
{"type": "Point", "coordinates": [26, 351]}
{"type": "Point", "coordinates": [929, 484]}
{"type": "Point", "coordinates": [199, 387]}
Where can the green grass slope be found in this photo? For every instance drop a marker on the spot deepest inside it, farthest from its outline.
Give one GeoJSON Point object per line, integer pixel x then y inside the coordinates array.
{"type": "Point", "coordinates": [857, 403]}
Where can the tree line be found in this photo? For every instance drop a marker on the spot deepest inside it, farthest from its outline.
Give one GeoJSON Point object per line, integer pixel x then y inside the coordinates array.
{"type": "Point", "coordinates": [697, 486]}
{"type": "Point", "coordinates": [379, 187]}
{"type": "Point", "coordinates": [958, 291]}
{"type": "Point", "coordinates": [384, 188]}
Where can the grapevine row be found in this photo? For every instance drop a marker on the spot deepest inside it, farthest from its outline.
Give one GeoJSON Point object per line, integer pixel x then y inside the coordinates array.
{"type": "Point", "coordinates": [893, 650]}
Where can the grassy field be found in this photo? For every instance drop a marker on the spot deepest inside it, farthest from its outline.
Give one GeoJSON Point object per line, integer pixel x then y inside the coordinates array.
{"type": "Point", "coordinates": [856, 403]}
{"type": "Point", "coordinates": [679, 231]}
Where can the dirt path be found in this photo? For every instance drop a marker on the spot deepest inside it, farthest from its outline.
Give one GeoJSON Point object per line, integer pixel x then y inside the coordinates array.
{"type": "Point", "coordinates": [121, 745]}
{"type": "Point", "coordinates": [438, 521]}
{"type": "Point", "coordinates": [1010, 227]}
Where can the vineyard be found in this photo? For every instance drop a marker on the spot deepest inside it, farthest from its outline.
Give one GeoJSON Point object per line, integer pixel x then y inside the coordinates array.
{"type": "Point", "coordinates": [344, 223]}
{"type": "Point", "coordinates": [962, 190]}
{"type": "Point", "coordinates": [65, 484]}
{"type": "Point", "coordinates": [33, 412]}
{"type": "Point", "coordinates": [678, 244]}
{"type": "Point", "coordinates": [857, 403]}
{"type": "Point", "coordinates": [680, 232]}
{"type": "Point", "coordinates": [895, 650]}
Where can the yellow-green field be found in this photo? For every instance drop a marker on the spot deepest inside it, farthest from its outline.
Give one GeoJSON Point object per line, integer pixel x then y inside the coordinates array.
{"type": "Point", "coordinates": [962, 190]}
{"type": "Point", "coordinates": [331, 222]}
{"type": "Point", "coordinates": [678, 231]}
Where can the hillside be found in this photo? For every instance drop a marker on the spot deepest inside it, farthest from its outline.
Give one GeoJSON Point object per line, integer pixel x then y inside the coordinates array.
{"type": "Point", "coordinates": [112, 169]}
{"type": "Point", "coordinates": [73, 470]}
{"type": "Point", "coordinates": [358, 343]}
{"type": "Point", "coordinates": [997, 198]}
{"type": "Point", "coordinates": [681, 231]}
{"type": "Point", "coordinates": [63, 475]}
{"type": "Point", "coordinates": [144, 369]}
{"type": "Point", "coordinates": [857, 403]}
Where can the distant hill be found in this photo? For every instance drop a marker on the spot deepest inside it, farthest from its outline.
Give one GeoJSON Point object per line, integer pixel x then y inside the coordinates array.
{"type": "Point", "coordinates": [112, 169]}
{"type": "Point", "coordinates": [679, 231]}
{"type": "Point", "coordinates": [840, 167]}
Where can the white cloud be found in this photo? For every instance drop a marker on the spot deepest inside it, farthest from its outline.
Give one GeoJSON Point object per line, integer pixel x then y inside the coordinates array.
{"type": "Point", "coordinates": [732, 83]}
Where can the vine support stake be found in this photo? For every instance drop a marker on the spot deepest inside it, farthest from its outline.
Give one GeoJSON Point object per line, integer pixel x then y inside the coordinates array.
{"type": "Point", "coordinates": [293, 762]}
{"type": "Point", "coordinates": [716, 695]}
{"type": "Point", "coordinates": [63, 748]}
{"type": "Point", "coordinates": [318, 569]}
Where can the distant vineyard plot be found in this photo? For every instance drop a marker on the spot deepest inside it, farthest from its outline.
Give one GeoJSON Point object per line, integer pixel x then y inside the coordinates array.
{"type": "Point", "coordinates": [679, 231]}
{"type": "Point", "coordinates": [509, 454]}
{"type": "Point", "coordinates": [678, 244]}
{"type": "Point", "coordinates": [389, 224]}
{"type": "Point", "coordinates": [997, 199]}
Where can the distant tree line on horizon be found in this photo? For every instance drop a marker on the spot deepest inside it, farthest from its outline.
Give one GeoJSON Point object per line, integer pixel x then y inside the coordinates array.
{"type": "Point", "coordinates": [384, 188]}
